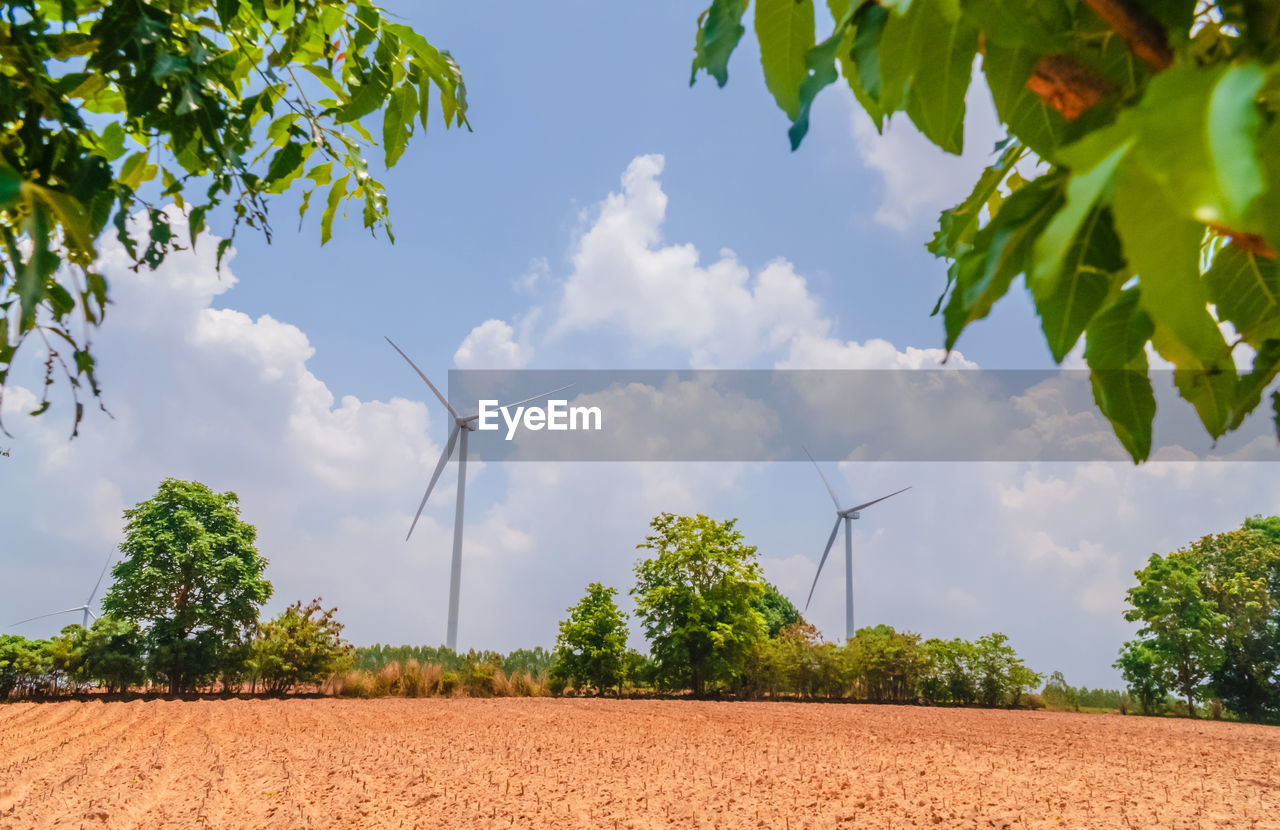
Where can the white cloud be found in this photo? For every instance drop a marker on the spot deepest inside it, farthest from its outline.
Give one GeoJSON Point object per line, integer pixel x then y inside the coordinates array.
{"type": "Point", "coordinates": [492, 345]}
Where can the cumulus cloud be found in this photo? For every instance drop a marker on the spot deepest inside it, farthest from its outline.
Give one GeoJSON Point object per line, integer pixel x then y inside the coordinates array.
{"type": "Point", "coordinates": [492, 345]}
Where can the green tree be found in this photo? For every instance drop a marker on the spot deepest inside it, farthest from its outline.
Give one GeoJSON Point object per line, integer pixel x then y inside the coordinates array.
{"type": "Point", "coordinates": [303, 645]}
{"type": "Point", "coordinates": [592, 642]}
{"type": "Point", "coordinates": [886, 664]}
{"type": "Point", "coordinates": [24, 665]}
{"type": "Point", "coordinates": [113, 652]}
{"type": "Point", "coordinates": [191, 577]}
{"type": "Point", "coordinates": [1239, 571]}
{"type": "Point", "coordinates": [111, 108]}
{"type": "Point", "coordinates": [1146, 673]}
{"type": "Point", "coordinates": [1179, 623]}
{"type": "Point", "coordinates": [1000, 675]}
{"type": "Point", "coordinates": [695, 598]}
{"type": "Point", "coordinates": [1158, 191]}
{"type": "Point", "coordinates": [947, 671]}
{"type": "Point", "coordinates": [777, 610]}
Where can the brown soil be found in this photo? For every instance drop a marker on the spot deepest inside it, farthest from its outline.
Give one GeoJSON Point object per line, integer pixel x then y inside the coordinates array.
{"type": "Point", "coordinates": [626, 764]}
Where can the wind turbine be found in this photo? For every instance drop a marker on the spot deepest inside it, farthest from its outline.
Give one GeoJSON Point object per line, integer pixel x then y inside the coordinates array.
{"type": "Point", "coordinates": [846, 516]}
{"type": "Point", "coordinates": [84, 608]}
{"type": "Point", "coordinates": [462, 426]}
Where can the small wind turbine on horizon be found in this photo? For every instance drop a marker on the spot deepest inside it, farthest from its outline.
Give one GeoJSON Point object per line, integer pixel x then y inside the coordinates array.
{"type": "Point", "coordinates": [847, 516]}
{"type": "Point", "coordinates": [462, 426]}
{"type": "Point", "coordinates": [85, 608]}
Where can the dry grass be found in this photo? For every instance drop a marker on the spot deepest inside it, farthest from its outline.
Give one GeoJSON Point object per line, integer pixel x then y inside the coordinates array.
{"type": "Point", "coordinates": [414, 679]}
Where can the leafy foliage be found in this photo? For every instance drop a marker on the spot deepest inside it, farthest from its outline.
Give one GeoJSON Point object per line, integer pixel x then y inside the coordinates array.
{"type": "Point", "coordinates": [592, 642]}
{"type": "Point", "coordinates": [695, 597]}
{"type": "Point", "coordinates": [1210, 617]}
{"type": "Point", "coordinates": [301, 646]}
{"type": "Point", "coordinates": [1156, 196]}
{"type": "Point", "coordinates": [191, 577]}
{"type": "Point", "coordinates": [116, 108]}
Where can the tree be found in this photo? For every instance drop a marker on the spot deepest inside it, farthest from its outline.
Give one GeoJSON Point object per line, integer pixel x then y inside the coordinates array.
{"type": "Point", "coordinates": [1180, 625]}
{"type": "Point", "coordinates": [191, 577]}
{"type": "Point", "coordinates": [1000, 674]}
{"type": "Point", "coordinates": [23, 665]}
{"type": "Point", "coordinates": [948, 673]}
{"type": "Point", "coordinates": [1159, 192]}
{"type": "Point", "coordinates": [887, 664]}
{"type": "Point", "coordinates": [111, 107]}
{"type": "Point", "coordinates": [592, 642]}
{"type": "Point", "coordinates": [303, 645]}
{"type": "Point", "coordinates": [1146, 674]}
{"type": "Point", "coordinates": [695, 598]}
{"type": "Point", "coordinates": [777, 610]}
{"type": "Point", "coordinates": [1239, 572]}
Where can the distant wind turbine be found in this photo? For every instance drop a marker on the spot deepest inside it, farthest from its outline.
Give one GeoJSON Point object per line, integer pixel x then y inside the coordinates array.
{"type": "Point", "coordinates": [461, 426]}
{"type": "Point", "coordinates": [847, 516]}
{"type": "Point", "coordinates": [85, 608]}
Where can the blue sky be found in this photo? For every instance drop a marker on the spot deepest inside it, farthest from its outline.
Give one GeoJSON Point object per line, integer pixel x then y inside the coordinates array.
{"type": "Point", "coordinates": [602, 214]}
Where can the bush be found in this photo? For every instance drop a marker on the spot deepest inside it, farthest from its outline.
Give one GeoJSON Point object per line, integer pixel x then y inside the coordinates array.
{"type": "Point", "coordinates": [301, 646]}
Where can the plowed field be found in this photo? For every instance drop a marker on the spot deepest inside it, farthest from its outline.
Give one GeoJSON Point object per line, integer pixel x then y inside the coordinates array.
{"type": "Point", "coordinates": [626, 764]}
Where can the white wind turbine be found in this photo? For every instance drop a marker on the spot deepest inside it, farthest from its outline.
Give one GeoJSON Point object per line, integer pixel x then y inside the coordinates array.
{"type": "Point", "coordinates": [461, 427]}
{"type": "Point", "coordinates": [85, 608]}
{"type": "Point", "coordinates": [847, 516]}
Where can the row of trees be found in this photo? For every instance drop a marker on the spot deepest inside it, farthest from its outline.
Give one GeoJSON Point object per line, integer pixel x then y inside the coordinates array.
{"type": "Point", "coordinates": [1210, 624]}
{"type": "Point", "coordinates": [302, 646]}
{"type": "Point", "coordinates": [183, 612]}
{"type": "Point", "coordinates": [713, 622]}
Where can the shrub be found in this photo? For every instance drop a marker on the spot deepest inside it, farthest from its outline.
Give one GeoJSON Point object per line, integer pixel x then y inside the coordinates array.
{"type": "Point", "coordinates": [301, 646]}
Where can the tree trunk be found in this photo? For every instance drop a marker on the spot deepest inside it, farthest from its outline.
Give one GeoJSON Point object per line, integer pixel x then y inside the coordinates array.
{"type": "Point", "coordinates": [1191, 707]}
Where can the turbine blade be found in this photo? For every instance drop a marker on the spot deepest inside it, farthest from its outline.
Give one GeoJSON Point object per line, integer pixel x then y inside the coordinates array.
{"type": "Point", "coordinates": [877, 501]}
{"type": "Point", "coordinates": [91, 614]}
{"type": "Point", "coordinates": [452, 411]}
{"type": "Point", "coordinates": [824, 478]}
{"type": "Point", "coordinates": [435, 476]}
{"type": "Point", "coordinates": [98, 584]}
{"type": "Point", "coordinates": [831, 541]}
{"type": "Point", "coordinates": [526, 400]}
{"type": "Point", "coordinates": [50, 614]}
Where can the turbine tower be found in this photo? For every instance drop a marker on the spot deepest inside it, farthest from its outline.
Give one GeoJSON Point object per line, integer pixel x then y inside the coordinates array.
{"type": "Point", "coordinates": [462, 426]}
{"type": "Point", "coordinates": [84, 608]}
{"type": "Point", "coordinates": [847, 517]}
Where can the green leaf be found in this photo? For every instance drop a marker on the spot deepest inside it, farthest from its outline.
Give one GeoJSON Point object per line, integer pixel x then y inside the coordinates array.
{"type": "Point", "coordinates": [1093, 162]}
{"type": "Point", "coordinates": [719, 30]}
{"type": "Point", "coordinates": [926, 61]}
{"type": "Point", "coordinates": [1266, 364]}
{"type": "Point", "coordinates": [397, 122]}
{"type": "Point", "coordinates": [1164, 251]}
{"type": "Point", "coordinates": [821, 72]}
{"type": "Point", "coordinates": [336, 191]}
{"type": "Point", "coordinates": [285, 165]}
{"type": "Point", "coordinates": [1198, 131]}
{"type": "Point", "coordinates": [1067, 303]}
{"type": "Point", "coordinates": [1007, 69]}
{"type": "Point", "coordinates": [785, 32]}
{"type": "Point", "coordinates": [1115, 349]}
{"type": "Point", "coordinates": [1233, 124]}
{"type": "Point", "coordinates": [10, 187]}
{"type": "Point", "coordinates": [1245, 288]}
{"type": "Point", "coordinates": [956, 225]}
{"type": "Point", "coordinates": [999, 253]}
